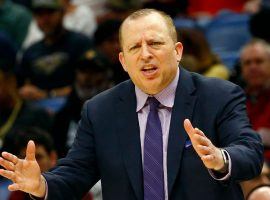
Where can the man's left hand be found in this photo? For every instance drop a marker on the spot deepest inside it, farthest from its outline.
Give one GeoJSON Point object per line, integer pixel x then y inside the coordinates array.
{"type": "Point", "coordinates": [209, 154]}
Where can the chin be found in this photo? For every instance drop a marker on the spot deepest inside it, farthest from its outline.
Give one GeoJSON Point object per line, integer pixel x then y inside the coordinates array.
{"type": "Point", "coordinates": [152, 91]}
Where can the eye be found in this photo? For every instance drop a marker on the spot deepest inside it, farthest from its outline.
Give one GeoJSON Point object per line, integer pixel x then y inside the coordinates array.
{"type": "Point", "coordinates": [156, 43]}
{"type": "Point", "coordinates": [132, 48]}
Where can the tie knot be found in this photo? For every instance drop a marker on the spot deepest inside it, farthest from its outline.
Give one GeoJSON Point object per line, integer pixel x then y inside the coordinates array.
{"type": "Point", "coordinates": [153, 102]}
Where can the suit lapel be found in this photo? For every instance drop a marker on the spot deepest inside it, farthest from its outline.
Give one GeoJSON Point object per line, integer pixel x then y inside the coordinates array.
{"type": "Point", "coordinates": [129, 137]}
{"type": "Point", "coordinates": [129, 133]}
{"type": "Point", "coordinates": [182, 109]}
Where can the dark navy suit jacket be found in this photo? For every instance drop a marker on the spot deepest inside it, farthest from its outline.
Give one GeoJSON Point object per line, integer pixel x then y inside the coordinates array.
{"type": "Point", "coordinates": [107, 145]}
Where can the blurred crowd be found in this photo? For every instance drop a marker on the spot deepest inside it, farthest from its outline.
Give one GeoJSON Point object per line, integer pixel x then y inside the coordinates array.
{"type": "Point", "coordinates": [56, 54]}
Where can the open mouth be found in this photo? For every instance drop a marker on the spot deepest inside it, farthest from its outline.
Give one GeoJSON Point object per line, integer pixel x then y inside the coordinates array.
{"type": "Point", "coordinates": [149, 71]}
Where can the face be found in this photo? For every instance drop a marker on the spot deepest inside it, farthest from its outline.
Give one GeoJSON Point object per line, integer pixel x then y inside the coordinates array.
{"type": "Point", "coordinates": [149, 55]}
{"type": "Point", "coordinates": [88, 84]}
{"type": "Point", "coordinates": [48, 20]}
{"type": "Point", "coordinates": [111, 47]}
{"type": "Point", "coordinates": [255, 66]}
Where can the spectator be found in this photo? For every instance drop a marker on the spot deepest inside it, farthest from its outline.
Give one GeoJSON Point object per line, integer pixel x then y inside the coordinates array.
{"type": "Point", "coordinates": [14, 20]}
{"type": "Point", "coordinates": [46, 61]}
{"type": "Point", "coordinates": [255, 66]}
{"type": "Point", "coordinates": [91, 78]}
{"type": "Point", "coordinates": [46, 156]}
{"type": "Point", "coordinates": [79, 18]}
{"type": "Point", "coordinates": [106, 41]}
{"type": "Point", "coordinates": [98, 6]}
{"type": "Point", "coordinates": [14, 112]}
{"type": "Point", "coordinates": [198, 57]}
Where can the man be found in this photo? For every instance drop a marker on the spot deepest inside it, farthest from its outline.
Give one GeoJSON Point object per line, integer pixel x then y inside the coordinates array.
{"type": "Point", "coordinates": [173, 160]}
{"type": "Point", "coordinates": [92, 76]}
{"type": "Point", "coordinates": [46, 61]}
{"type": "Point", "coordinates": [255, 67]}
{"type": "Point", "coordinates": [46, 156]}
{"type": "Point", "coordinates": [14, 112]}
{"type": "Point", "coordinates": [78, 18]}
{"type": "Point", "coordinates": [106, 41]}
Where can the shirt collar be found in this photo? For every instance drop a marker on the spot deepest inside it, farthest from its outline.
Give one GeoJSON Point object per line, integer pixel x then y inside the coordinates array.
{"type": "Point", "coordinates": [165, 97]}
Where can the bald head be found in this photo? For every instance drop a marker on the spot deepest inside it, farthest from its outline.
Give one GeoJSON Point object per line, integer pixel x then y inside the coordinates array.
{"type": "Point", "coordinates": [143, 13]}
{"type": "Point", "coordinates": [256, 43]}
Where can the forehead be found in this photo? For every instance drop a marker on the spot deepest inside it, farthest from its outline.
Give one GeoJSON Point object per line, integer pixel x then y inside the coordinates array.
{"type": "Point", "coordinates": [153, 24]}
{"type": "Point", "coordinates": [256, 50]}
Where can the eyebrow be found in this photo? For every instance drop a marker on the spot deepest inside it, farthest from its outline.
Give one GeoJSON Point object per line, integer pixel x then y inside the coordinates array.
{"type": "Point", "coordinates": [159, 39]}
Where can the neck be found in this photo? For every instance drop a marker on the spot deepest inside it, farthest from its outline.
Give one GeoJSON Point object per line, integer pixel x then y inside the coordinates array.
{"type": "Point", "coordinates": [256, 90]}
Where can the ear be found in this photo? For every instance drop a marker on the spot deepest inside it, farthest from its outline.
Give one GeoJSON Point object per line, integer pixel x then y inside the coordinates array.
{"type": "Point", "coordinates": [178, 51]}
{"type": "Point", "coordinates": [122, 60]}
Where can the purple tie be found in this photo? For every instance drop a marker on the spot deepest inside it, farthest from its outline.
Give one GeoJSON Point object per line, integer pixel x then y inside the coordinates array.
{"type": "Point", "coordinates": [153, 155]}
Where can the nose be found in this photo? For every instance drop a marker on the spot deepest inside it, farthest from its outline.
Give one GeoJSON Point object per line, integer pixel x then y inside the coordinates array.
{"type": "Point", "coordinates": [145, 53]}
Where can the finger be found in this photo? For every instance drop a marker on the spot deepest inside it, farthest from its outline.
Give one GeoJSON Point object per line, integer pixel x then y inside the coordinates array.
{"type": "Point", "coordinates": [14, 187]}
{"type": "Point", "coordinates": [30, 151]}
{"type": "Point", "coordinates": [188, 127]}
{"type": "Point", "coordinates": [204, 150]}
{"type": "Point", "coordinates": [7, 174]}
{"type": "Point", "coordinates": [6, 164]}
{"type": "Point", "coordinates": [201, 140]}
{"type": "Point", "coordinates": [208, 158]}
{"type": "Point", "coordinates": [10, 157]}
{"type": "Point", "coordinates": [198, 131]}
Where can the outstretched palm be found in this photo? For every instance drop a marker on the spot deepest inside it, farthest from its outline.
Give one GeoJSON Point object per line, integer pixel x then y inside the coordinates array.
{"type": "Point", "coordinates": [25, 173]}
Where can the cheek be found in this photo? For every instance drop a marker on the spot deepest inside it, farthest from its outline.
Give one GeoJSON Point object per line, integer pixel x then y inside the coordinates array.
{"type": "Point", "coordinates": [266, 71]}
{"type": "Point", "coordinates": [244, 72]}
{"type": "Point", "coordinates": [44, 164]}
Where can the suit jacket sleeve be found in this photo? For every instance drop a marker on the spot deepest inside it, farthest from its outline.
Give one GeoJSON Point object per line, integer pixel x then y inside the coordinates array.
{"type": "Point", "coordinates": [241, 142]}
{"type": "Point", "coordinates": [78, 172]}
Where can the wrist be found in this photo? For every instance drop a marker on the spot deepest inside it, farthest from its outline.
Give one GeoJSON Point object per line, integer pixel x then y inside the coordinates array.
{"type": "Point", "coordinates": [224, 162]}
{"type": "Point", "coordinates": [41, 190]}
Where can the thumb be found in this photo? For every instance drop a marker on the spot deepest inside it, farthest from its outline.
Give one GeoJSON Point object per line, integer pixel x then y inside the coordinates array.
{"type": "Point", "coordinates": [30, 151]}
{"type": "Point", "coordinates": [188, 127]}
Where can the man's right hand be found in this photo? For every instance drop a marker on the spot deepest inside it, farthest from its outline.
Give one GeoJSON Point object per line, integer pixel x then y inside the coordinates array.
{"type": "Point", "coordinates": [25, 173]}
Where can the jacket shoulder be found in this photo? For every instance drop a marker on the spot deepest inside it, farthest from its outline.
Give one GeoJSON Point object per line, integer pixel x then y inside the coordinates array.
{"type": "Point", "coordinates": [110, 96]}
{"type": "Point", "coordinates": [213, 85]}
